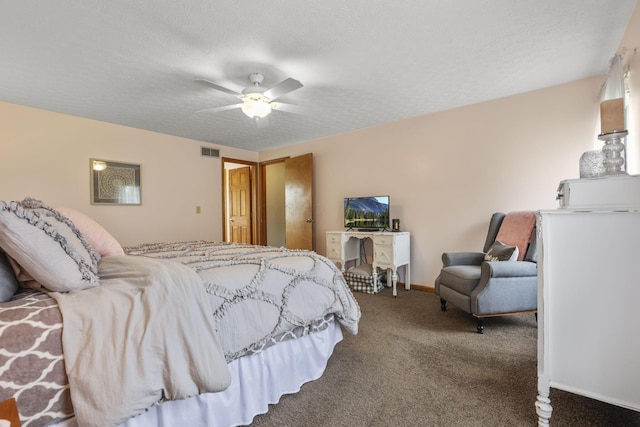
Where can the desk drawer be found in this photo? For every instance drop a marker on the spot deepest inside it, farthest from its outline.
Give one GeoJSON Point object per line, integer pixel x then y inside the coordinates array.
{"type": "Point", "coordinates": [334, 250]}
{"type": "Point", "coordinates": [334, 238]}
{"type": "Point", "coordinates": [383, 240]}
{"type": "Point", "coordinates": [383, 254]}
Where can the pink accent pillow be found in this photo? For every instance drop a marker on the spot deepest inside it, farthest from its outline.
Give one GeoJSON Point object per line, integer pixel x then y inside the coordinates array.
{"type": "Point", "coordinates": [516, 230]}
{"type": "Point", "coordinates": [99, 238]}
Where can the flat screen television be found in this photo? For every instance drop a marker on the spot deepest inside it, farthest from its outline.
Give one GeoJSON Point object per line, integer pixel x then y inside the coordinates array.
{"type": "Point", "coordinates": [366, 213]}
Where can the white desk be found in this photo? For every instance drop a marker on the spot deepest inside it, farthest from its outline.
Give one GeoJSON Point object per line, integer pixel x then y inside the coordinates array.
{"type": "Point", "coordinates": [390, 251]}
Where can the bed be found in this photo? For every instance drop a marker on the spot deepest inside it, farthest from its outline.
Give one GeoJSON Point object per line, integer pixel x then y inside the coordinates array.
{"type": "Point", "coordinates": [180, 333]}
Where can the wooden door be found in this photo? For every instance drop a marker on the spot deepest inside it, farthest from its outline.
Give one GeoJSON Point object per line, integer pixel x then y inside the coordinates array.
{"type": "Point", "coordinates": [299, 202]}
{"type": "Point", "coordinates": [240, 205]}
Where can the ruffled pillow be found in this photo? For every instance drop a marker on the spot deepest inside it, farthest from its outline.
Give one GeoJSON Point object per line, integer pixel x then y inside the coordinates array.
{"type": "Point", "coordinates": [99, 238]}
{"type": "Point", "coordinates": [47, 246]}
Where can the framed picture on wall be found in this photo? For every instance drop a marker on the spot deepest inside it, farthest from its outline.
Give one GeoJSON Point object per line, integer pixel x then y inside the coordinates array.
{"type": "Point", "coordinates": [114, 183]}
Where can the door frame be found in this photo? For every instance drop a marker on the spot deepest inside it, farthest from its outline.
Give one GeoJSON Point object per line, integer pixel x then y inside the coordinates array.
{"type": "Point", "coordinates": [258, 197]}
{"type": "Point", "coordinates": [254, 198]}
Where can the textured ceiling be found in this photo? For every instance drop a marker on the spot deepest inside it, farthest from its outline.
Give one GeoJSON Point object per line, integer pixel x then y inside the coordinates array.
{"type": "Point", "coordinates": [361, 62]}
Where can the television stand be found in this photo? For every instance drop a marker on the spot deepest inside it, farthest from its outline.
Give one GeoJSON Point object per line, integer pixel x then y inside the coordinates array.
{"type": "Point", "coordinates": [390, 251]}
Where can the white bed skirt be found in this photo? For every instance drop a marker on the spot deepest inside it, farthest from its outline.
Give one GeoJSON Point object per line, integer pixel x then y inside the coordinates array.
{"type": "Point", "coordinates": [256, 381]}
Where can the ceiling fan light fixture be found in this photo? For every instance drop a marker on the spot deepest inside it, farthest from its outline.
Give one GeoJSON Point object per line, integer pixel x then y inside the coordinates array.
{"type": "Point", "coordinates": [256, 101]}
{"type": "Point", "coordinates": [256, 106]}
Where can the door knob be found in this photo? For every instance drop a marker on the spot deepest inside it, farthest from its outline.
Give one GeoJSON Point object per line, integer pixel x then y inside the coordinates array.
{"type": "Point", "coordinates": [309, 220]}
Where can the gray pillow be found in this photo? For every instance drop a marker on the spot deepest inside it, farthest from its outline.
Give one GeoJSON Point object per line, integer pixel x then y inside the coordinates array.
{"type": "Point", "coordinates": [501, 252]}
{"type": "Point", "coordinates": [8, 282]}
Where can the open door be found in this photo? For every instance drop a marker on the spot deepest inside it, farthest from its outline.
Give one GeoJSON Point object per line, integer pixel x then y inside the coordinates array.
{"type": "Point", "coordinates": [299, 202]}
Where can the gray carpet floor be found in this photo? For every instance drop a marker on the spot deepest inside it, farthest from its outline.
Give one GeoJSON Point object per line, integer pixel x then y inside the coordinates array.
{"type": "Point", "coordinates": [413, 365]}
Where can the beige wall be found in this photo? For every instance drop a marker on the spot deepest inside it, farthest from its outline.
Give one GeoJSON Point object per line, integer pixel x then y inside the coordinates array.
{"type": "Point", "coordinates": [447, 172]}
{"type": "Point", "coordinates": [46, 155]}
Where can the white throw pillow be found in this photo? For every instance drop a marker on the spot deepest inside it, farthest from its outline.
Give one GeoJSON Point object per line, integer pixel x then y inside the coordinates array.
{"type": "Point", "coordinates": [47, 246]}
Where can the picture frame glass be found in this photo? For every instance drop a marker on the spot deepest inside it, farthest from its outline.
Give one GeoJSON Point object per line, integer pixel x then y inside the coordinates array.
{"type": "Point", "coordinates": [115, 183]}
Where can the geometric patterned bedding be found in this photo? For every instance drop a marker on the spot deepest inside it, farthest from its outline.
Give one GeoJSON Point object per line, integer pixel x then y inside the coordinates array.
{"type": "Point", "coordinates": [31, 361]}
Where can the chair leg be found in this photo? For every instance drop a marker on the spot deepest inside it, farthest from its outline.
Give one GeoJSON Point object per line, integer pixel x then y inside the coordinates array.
{"type": "Point", "coordinates": [536, 314]}
{"type": "Point", "coordinates": [443, 305]}
{"type": "Point", "coordinates": [480, 326]}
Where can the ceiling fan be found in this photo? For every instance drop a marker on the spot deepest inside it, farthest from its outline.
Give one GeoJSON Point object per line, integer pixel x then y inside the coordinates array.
{"type": "Point", "coordinates": [257, 101]}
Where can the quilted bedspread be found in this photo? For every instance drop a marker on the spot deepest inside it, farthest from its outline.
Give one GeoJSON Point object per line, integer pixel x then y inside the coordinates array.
{"type": "Point", "coordinates": [257, 293]}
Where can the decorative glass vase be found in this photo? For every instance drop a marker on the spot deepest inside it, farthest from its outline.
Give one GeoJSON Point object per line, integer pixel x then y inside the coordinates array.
{"type": "Point", "coordinates": [591, 164]}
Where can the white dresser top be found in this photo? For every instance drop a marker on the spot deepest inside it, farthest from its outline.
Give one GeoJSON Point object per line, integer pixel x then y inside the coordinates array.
{"type": "Point", "coordinates": [612, 192]}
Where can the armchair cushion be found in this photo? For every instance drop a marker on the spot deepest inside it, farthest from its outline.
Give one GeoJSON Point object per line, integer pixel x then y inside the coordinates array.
{"type": "Point", "coordinates": [461, 278]}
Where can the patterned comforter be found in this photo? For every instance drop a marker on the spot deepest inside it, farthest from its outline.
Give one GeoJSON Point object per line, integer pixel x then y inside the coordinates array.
{"type": "Point", "coordinates": [256, 295]}
{"type": "Point", "coordinates": [31, 362]}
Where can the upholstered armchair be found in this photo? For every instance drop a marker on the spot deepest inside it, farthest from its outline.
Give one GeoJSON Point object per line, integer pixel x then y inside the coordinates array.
{"type": "Point", "coordinates": [499, 281]}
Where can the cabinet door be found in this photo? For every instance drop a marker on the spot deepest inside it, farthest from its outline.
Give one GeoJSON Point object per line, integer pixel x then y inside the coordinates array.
{"type": "Point", "coordinates": [589, 292]}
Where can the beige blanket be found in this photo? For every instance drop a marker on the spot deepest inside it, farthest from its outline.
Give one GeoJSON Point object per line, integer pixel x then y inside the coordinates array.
{"type": "Point", "coordinates": [145, 335]}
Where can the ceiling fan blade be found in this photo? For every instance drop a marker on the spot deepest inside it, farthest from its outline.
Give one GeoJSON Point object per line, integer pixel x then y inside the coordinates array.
{"type": "Point", "coordinates": [218, 109]}
{"type": "Point", "coordinates": [218, 87]}
{"type": "Point", "coordinates": [282, 88]}
{"type": "Point", "coordinates": [289, 108]}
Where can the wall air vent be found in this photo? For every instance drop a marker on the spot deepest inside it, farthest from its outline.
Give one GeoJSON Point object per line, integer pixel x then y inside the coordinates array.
{"type": "Point", "coordinates": [209, 152]}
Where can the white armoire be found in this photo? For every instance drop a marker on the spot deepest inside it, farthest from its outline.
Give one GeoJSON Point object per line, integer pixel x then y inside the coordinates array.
{"type": "Point", "coordinates": [589, 293]}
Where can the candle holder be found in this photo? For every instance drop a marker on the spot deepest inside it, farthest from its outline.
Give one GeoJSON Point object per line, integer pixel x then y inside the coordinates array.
{"type": "Point", "coordinates": [612, 150]}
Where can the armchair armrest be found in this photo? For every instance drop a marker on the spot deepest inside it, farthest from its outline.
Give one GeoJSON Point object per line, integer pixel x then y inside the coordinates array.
{"type": "Point", "coordinates": [505, 287]}
{"type": "Point", "coordinates": [508, 269]}
{"type": "Point", "coordinates": [462, 258]}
